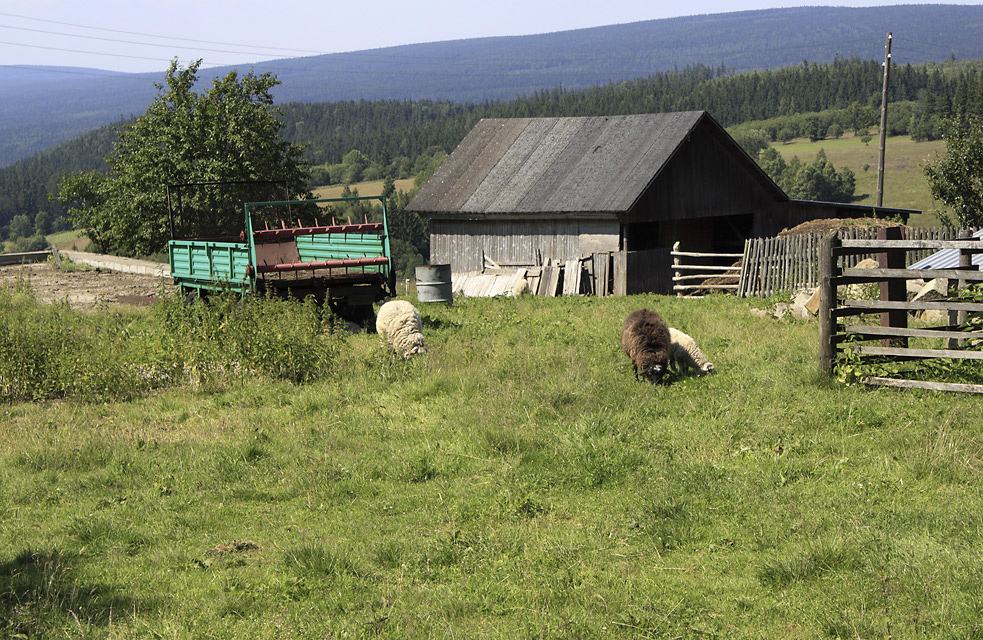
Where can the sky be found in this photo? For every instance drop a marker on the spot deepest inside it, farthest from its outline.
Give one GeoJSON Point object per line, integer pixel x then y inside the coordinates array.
{"type": "Point", "coordinates": [144, 35]}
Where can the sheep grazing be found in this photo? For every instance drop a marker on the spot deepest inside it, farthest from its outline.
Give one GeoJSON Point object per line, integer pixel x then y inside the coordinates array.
{"type": "Point", "coordinates": [400, 324]}
{"type": "Point", "coordinates": [685, 355]}
{"type": "Point", "coordinates": [645, 339]}
{"type": "Point", "coordinates": [521, 287]}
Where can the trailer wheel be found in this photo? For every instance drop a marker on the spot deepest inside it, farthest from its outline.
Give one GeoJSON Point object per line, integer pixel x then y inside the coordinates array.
{"type": "Point", "coordinates": [361, 314]}
{"type": "Point", "coordinates": [365, 317]}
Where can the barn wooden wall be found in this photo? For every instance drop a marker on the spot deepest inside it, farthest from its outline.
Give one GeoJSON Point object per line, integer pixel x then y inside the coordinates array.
{"type": "Point", "coordinates": [705, 179]}
{"type": "Point", "coordinates": [462, 244]}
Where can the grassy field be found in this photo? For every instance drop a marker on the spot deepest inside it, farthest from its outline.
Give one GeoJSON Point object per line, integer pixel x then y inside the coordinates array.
{"type": "Point", "coordinates": [372, 188]}
{"type": "Point", "coordinates": [68, 241]}
{"type": "Point", "coordinates": [905, 186]}
{"type": "Point", "coordinates": [514, 482]}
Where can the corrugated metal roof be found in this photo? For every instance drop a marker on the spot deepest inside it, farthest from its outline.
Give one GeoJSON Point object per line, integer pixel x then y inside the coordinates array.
{"type": "Point", "coordinates": [948, 258]}
{"type": "Point", "coordinates": [599, 164]}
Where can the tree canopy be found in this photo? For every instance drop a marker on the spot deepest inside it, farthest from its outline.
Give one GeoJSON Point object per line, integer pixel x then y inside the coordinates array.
{"type": "Point", "coordinates": [818, 180]}
{"type": "Point", "coordinates": [223, 146]}
{"type": "Point", "coordinates": [956, 176]}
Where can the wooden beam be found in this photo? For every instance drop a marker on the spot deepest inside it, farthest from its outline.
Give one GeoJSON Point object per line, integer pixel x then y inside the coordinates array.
{"type": "Point", "coordinates": [909, 274]}
{"type": "Point", "coordinates": [919, 353]}
{"type": "Point", "coordinates": [709, 267]}
{"type": "Point", "coordinates": [921, 384]}
{"type": "Point", "coordinates": [913, 333]}
{"type": "Point", "coordinates": [892, 290]}
{"type": "Point", "coordinates": [692, 254]}
{"type": "Point", "coordinates": [827, 302]}
{"type": "Point", "coordinates": [870, 306]}
{"type": "Point", "coordinates": [911, 244]}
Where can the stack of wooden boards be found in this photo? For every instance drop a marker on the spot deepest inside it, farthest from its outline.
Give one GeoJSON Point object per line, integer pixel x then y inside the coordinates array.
{"type": "Point", "coordinates": [553, 278]}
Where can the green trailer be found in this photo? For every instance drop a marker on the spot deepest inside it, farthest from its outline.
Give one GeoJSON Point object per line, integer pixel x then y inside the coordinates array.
{"type": "Point", "coordinates": [344, 264]}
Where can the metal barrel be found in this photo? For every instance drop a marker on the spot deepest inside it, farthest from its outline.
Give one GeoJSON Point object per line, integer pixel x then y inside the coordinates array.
{"type": "Point", "coordinates": [433, 283]}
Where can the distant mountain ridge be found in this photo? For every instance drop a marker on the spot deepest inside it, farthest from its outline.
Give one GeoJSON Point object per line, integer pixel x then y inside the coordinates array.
{"type": "Point", "coordinates": [40, 109]}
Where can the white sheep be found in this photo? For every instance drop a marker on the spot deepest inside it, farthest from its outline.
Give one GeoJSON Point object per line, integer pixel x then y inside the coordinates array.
{"type": "Point", "coordinates": [684, 354]}
{"type": "Point", "coordinates": [521, 287]}
{"type": "Point", "coordinates": [402, 327]}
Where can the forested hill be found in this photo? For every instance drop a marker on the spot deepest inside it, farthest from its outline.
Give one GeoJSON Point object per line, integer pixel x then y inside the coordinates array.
{"type": "Point", "coordinates": [42, 108]}
{"type": "Point", "coordinates": [397, 138]}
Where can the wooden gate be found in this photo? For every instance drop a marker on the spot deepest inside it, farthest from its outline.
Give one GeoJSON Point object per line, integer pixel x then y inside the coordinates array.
{"type": "Point", "coordinates": [893, 307]}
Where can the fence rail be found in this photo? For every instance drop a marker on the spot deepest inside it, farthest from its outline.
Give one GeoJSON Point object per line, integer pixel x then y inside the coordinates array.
{"type": "Point", "coordinates": [709, 274]}
{"type": "Point", "coordinates": [894, 307]}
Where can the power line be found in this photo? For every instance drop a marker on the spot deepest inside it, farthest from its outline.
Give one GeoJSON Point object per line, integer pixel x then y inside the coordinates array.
{"type": "Point", "coordinates": [390, 56]}
{"type": "Point", "coordinates": [553, 69]}
{"type": "Point", "coordinates": [148, 35]}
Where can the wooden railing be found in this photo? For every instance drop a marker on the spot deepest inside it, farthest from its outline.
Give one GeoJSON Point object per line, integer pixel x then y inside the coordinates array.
{"type": "Point", "coordinates": [703, 272]}
{"type": "Point", "coordinates": [893, 306]}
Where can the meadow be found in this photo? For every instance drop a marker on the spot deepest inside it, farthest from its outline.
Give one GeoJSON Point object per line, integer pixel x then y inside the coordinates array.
{"type": "Point", "coordinates": [905, 186]}
{"type": "Point", "coordinates": [370, 188]}
{"type": "Point", "coordinates": [273, 477]}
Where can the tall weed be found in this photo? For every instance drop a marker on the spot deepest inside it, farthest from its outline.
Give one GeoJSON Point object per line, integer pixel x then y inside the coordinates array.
{"type": "Point", "coordinates": [51, 351]}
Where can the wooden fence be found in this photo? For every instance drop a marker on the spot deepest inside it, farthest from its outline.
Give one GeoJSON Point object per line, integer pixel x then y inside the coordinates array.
{"type": "Point", "coordinates": [789, 263]}
{"type": "Point", "coordinates": [709, 272]}
{"type": "Point", "coordinates": [893, 306]}
{"type": "Point", "coordinates": [785, 263]}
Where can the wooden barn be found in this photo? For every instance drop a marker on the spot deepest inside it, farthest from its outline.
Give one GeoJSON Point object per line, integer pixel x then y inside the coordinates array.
{"type": "Point", "coordinates": [530, 191]}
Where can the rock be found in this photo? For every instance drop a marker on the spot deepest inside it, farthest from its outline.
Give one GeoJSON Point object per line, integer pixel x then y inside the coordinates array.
{"type": "Point", "coordinates": [800, 303]}
{"type": "Point", "coordinates": [932, 291]}
{"type": "Point", "coordinates": [934, 316]}
{"type": "Point", "coordinates": [914, 286]}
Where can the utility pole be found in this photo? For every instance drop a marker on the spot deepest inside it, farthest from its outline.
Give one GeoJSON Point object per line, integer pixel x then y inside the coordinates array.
{"type": "Point", "coordinates": [880, 158]}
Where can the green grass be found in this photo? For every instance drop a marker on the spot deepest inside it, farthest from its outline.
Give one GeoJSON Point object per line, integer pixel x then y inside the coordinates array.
{"type": "Point", "coordinates": [514, 482]}
{"type": "Point", "coordinates": [69, 240]}
{"type": "Point", "coordinates": [905, 185]}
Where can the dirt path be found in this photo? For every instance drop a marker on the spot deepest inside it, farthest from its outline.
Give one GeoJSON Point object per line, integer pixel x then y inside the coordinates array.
{"type": "Point", "coordinates": [86, 288]}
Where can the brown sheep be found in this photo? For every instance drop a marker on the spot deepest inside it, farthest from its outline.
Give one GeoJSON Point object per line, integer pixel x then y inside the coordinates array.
{"type": "Point", "coordinates": [645, 339]}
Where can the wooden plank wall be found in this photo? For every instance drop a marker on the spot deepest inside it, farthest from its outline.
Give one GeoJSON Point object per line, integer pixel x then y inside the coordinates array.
{"type": "Point", "coordinates": [463, 244]}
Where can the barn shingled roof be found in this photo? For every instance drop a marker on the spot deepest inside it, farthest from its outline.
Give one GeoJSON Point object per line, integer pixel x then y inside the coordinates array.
{"type": "Point", "coordinates": [597, 164]}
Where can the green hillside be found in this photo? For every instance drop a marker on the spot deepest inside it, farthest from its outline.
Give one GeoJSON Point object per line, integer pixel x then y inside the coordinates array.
{"type": "Point", "coordinates": [905, 185]}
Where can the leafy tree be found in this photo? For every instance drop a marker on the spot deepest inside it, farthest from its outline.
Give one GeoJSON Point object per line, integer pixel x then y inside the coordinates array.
{"type": "Point", "coordinates": [818, 180]}
{"type": "Point", "coordinates": [956, 176]}
{"type": "Point", "coordinates": [753, 141]}
{"type": "Point", "coordinates": [821, 181]}
{"type": "Point", "coordinates": [354, 164]}
{"type": "Point", "coordinates": [228, 134]}
{"type": "Point", "coordinates": [21, 227]}
{"type": "Point", "coordinates": [42, 223]}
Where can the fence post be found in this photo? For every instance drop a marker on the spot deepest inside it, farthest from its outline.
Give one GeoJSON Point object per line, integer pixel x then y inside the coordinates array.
{"type": "Point", "coordinates": [827, 302]}
{"type": "Point", "coordinates": [965, 262]}
{"type": "Point", "coordinates": [742, 281]}
{"type": "Point", "coordinates": [893, 290]}
{"type": "Point", "coordinates": [675, 272]}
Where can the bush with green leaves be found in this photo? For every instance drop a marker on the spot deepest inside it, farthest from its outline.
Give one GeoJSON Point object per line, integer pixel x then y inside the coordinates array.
{"type": "Point", "coordinates": [956, 177]}
{"type": "Point", "coordinates": [50, 351]}
{"type": "Point", "coordinates": [228, 337]}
